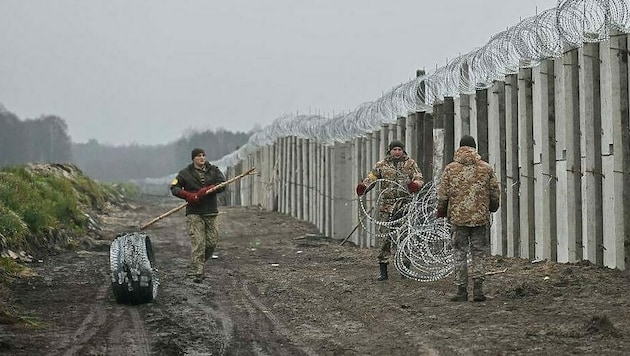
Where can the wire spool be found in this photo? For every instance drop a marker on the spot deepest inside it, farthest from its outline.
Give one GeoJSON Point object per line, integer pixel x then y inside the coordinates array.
{"type": "Point", "coordinates": [133, 274]}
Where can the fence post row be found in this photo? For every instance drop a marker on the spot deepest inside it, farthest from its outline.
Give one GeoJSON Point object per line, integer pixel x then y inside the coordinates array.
{"type": "Point", "coordinates": [557, 135]}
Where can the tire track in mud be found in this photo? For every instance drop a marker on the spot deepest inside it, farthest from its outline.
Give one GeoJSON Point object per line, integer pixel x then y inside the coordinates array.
{"type": "Point", "coordinates": [186, 313]}
{"type": "Point", "coordinates": [225, 321]}
{"type": "Point", "coordinates": [278, 326]}
{"type": "Point", "coordinates": [350, 314]}
{"type": "Point", "coordinates": [107, 329]}
{"type": "Point", "coordinates": [88, 327]}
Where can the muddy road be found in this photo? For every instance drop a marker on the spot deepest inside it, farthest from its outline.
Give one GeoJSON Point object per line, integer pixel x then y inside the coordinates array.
{"type": "Point", "coordinates": [278, 288]}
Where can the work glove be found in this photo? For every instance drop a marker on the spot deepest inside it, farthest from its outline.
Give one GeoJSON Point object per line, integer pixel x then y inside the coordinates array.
{"type": "Point", "coordinates": [204, 190]}
{"type": "Point", "coordinates": [361, 187]}
{"type": "Point", "coordinates": [190, 197]}
{"type": "Point", "coordinates": [414, 186]}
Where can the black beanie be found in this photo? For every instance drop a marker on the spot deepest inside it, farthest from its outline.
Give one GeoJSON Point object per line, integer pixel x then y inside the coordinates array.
{"type": "Point", "coordinates": [396, 143]}
{"type": "Point", "coordinates": [467, 140]}
{"type": "Point", "coordinates": [195, 152]}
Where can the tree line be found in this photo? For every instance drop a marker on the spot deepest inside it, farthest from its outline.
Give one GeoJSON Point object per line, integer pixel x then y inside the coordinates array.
{"type": "Point", "coordinates": [46, 139]}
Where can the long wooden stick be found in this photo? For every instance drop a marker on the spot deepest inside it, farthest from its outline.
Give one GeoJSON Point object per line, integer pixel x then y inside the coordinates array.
{"type": "Point", "coordinates": [218, 186]}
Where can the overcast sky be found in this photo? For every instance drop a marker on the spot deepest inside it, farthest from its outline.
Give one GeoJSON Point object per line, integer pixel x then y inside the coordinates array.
{"type": "Point", "coordinates": [148, 72]}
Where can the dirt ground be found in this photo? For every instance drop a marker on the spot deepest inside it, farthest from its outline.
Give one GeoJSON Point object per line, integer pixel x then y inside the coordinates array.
{"type": "Point", "coordinates": [278, 288]}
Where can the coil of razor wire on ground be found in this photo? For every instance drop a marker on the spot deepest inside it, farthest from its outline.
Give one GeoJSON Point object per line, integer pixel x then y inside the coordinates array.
{"type": "Point", "coordinates": [422, 241]}
{"type": "Point", "coordinates": [134, 276]}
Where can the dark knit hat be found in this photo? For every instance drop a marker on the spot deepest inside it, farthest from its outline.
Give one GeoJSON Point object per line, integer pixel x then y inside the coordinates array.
{"type": "Point", "coordinates": [195, 152]}
{"type": "Point", "coordinates": [396, 143]}
{"type": "Point", "coordinates": [467, 140]}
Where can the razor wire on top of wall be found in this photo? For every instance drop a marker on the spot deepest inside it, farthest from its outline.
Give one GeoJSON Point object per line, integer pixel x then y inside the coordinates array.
{"type": "Point", "coordinates": [423, 248]}
{"type": "Point", "coordinates": [543, 36]}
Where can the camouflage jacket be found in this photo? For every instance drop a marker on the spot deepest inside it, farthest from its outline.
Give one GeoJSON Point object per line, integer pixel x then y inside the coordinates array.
{"type": "Point", "coordinates": [468, 189]}
{"type": "Point", "coordinates": [402, 171]}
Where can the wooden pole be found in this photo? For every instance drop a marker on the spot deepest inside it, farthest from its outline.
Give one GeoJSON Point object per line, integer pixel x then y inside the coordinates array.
{"type": "Point", "coordinates": [218, 186]}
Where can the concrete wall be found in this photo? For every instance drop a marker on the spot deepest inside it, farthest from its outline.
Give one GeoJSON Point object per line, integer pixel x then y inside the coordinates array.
{"type": "Point", "coordinates": [557, 135]}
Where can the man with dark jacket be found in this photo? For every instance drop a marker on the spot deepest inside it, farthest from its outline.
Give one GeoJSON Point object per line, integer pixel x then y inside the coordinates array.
{"type": "Point", "coordinates": [468, 192]}
{"type": "Point", "coordinates": [192, 184]}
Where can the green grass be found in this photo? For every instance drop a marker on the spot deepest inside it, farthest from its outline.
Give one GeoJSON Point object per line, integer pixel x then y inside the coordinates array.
{"type": "Point", "coordinates": [36, 202]}
{"type": "Point", "coordinates": [39, 205]}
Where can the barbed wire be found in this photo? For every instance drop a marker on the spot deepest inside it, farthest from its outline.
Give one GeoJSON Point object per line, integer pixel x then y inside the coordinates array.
{"type": "Point", "coordinates": [421, 240]}
{"type": "Point", "coordinates": [543, 36]}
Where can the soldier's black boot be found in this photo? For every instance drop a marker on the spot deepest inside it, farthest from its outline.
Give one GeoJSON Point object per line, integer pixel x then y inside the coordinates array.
{"type": "Point", "coordinates": [478, 295]}
{"type": "Point", "coordinates": [462, 294]}
{"type": "Point", "coordinates": [383, 270]}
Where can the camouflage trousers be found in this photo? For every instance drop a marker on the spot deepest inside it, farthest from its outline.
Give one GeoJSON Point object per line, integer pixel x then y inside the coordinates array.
{"type": "Point", "coordinates": [473, 240]}
{"type": "Point", "coordinates": [204, 237]}
{"type": "Point", "coordinates": [385, 242]}
{"type": "Point", "coordinates": [389, 212]}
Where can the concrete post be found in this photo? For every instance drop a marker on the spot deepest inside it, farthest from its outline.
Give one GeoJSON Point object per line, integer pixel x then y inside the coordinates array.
{"type": "Point", "coordinates": [481, 100]}
{"type": "Point", "coordinates": [569, 163]}
{"type": "Point", "coordinates": [427, 146]}
{"type": "Point", "coordinates": [357, 175]}
{"type": "Point", "coordinates": [284, 170]}
{"type": "Point", "coordinates": [411, 136]}
{"type": "Point", "coordinates": [513, 182]}
{"type": "Point", "coordinates": [238, 169]}
{"type": "Point", "coordinates": [496, 159]}
{"type": "Point", "coordinates": [375, 156]}
{"type": "Point", "coordinates": [328, 196]}
{"type": "Point", "coordinates": [342, 191]}
{"type": "Point", "coordinates": [615, 146]}
{"type": "Point", "coordinates": [392, 133]}
{"type": "Point", "coordinates": [448, 116]}
{"type": "Point", "coordinates": [544, 161]}
{"type": "Point", "coordinates": [463, 128]}
{"type": "Point", "coordinates": [321, 201]}
{"type": "Point", "coordinates": [306, 180]}
{"type": "Point", "coordinates": [526, 161]}
{"type": "Point", "coordinates": [591, 121]}
{"type": "Point", "coordinates": [472, 101]}
{"type": "Point", "coordinates": [312, 153]}
{"type": "Point", "coordinates": [438, 140]}
{"type": "Point", "coordinates": [401, 129]}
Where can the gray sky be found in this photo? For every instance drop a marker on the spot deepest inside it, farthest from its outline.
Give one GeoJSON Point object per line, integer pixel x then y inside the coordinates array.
{"type": "Point", "coordinates": [147, 72]}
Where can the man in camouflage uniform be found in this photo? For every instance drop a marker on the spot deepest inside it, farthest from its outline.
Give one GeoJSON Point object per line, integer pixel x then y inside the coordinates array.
{"type": "Point", "coordinates": [467, 193]}
{"type": "Point", "coordinates": [192, 184]}
{"type": "Point", "coordinates": [395, 167]}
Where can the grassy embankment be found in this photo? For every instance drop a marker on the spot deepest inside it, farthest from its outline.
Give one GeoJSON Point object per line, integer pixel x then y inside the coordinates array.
{"type": "Point", "coordinates": [45, 208]}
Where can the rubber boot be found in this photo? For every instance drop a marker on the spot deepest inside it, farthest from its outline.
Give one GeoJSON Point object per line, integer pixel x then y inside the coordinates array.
{"type": "Point", "coordinates": [478, 295]}
{"type": "Point", "coordinates": [383, 270]}
{"type": "Point", "coordinates": [461, 296]}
